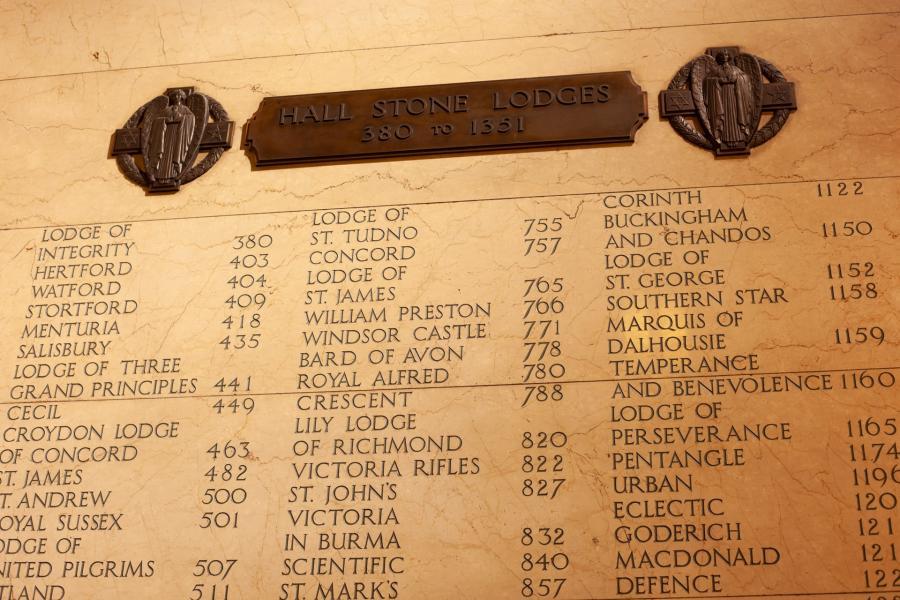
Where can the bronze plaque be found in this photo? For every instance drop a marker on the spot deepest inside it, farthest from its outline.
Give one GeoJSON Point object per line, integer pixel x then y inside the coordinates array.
{"type": "Point", "coordinates": [591, 108]}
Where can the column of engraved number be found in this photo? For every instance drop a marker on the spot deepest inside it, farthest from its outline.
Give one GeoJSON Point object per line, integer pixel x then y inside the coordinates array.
{"type": "Point", "coordinates": [872, 448]}
{"type": "Point", "coordinates": [227, 466]}
{"type": "Point", "coordinates": [544, 561]}
{"type": "Point", "coordinates": [853, 280]}
{"type": "Point", "coordinates": [876, 473]}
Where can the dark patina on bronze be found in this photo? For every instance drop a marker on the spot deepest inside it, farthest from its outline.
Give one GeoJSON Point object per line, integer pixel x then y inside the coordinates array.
{"type": "Point", "coordinates": [594, 108]}
{"type": "Point", "coordinates": [167, 134]}
{"type": "Point", "coordinates": [725, 92]}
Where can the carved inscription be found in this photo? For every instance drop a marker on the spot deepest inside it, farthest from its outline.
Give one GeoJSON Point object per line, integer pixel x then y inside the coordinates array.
{"type": "Point", "coordinates": [465, 117]}
{"type": "Point", "coordinates": [611, 395]}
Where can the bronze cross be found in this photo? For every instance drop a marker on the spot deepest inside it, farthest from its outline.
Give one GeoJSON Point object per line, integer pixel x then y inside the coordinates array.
{"type": "Point", "coordinates": [217, 134]}
{"type": "Point", "coordinates": [775, 96]}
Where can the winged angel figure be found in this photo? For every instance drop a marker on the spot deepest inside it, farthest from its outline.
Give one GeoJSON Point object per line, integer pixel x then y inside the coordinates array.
{"type": "Point", "coordinates": [171, 131]}
{"type": "Point", "coordinates": [727, 92]}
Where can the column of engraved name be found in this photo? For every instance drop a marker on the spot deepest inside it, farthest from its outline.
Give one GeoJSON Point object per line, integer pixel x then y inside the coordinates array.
{"type": "Point", "coordinates": [76, 311]}
{"type": "Point", "coordinates": [672, 314]}
{"type": "Point", "coordinates": [54, 510]}
{"type": "Point", "coordinates": [356, 436]}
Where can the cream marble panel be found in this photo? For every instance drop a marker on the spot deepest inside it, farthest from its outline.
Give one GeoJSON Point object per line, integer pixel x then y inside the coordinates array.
{"type": "Point", "coordinates": [59, 129]}
{"type": "Point", "coordinates": [44, 37]}
{"type": "Point", "coordinates": [54, 169]}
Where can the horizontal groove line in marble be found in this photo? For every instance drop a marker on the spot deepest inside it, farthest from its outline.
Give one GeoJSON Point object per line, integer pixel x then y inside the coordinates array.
{"type": "Point", "coordinates": [444, 43]}
{"type": "Point", "coordinates": [457, 386]}
{"type": "Point", "coordinates": [460, 201]}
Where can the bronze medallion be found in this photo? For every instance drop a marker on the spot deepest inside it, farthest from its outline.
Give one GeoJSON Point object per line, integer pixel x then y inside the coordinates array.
{"type": "Point", "coordinates": [716, 101]}
{"type": "Point", "coordinates": [167, 134]}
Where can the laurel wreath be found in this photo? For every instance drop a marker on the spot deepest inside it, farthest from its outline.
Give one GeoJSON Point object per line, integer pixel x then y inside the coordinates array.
{"type": "Point", "coordinates": [129, 167]}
